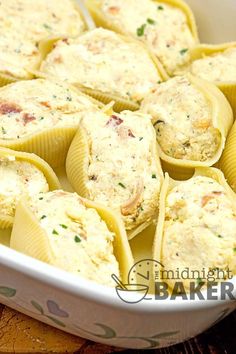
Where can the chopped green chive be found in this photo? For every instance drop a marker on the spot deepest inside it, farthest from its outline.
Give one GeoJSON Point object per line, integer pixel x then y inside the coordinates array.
{"type": "Point", "coordinates": [183, 51]}
{"type": "Point", "coordinates": [77, 239]}
{"type": "Point", "coordinates": [140, 30]}
{"type": "Point", "coordinates": [220, 236]}
{"type": "Point", "coordinates": [41, 198]}
{"type": "Point", "coordinates": [68, 98]}
{"type": "Point", "coordinates": [151, 21]}
{"type": "Point", "coordinates": [41, 118]}
{"type": "Point", "coordinates": [63, 226]}
{"type": "Point", "coordinates": [141, 138]}
{"type": "Point", "coordinates": [160, 7]}
{"type": "Point", "coordinates": [159, 81]}
{"type": "Point", "coordinates": [54, 232]}
{"type": "Point", "coordinates": [43, 217]}
{"type": "Point", "coordinates": [4, 131]}
{"type": "Point", "coordinates": [154, 175]}
{"type": "Point", "coordinates": [121, 184]}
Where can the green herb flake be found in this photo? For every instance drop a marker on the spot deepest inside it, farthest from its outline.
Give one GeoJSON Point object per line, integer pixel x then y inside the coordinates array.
{"type": "Point", "coordinates": [154, 175]}
{"type": "Point", "coordinates": [45, 25]}
{"type": "Point", "coordinates": [41, 198]}
{"type": "Point", "coordinates": [121, 185]}
{"type": "Point", "coordinates": [160, 7]}
{"type": "Point", "coordinates": [219, 236]}
{"type": "Point", "coordinates": [183, 51]}
{"type": "Point", "coordinates": [63, 226]}
{"type": "Point", "coordinates": [77, 239]}
{"type": "Point", "coordinates": [151, 21]}
{"type": "Point", "coordinates": [54, 232]}
{"type": "Point", "coordinates": [4, 131]}
{"type": "Point", "coordinates": [141, 138]}
{"type": "Point", "coordinates": [68, 98]}
{"type": "Point", "coordinates": [140, 30]}
{"type": "Point", "coordinates": [234, 249]}
{"type": "Point", "coordinates": [43, 217]}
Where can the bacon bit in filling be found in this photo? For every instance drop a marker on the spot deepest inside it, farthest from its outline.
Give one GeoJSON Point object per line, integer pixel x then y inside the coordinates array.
{"type": "Point", "coordinates": [114, 121]}
{"type": "Point", "coordinates": [6, 108]}
{"type": "Point", "coordinates": [124, 132]}
{"type": "Point", "coordinates": [131, 205]}
{"type": "Point", "coordinates": [27, 118]}
{"type": "Point", "coordinates": [65, 40]}
{"type": "Point", "coordinates": [217, 193]}
{"type": "Point", "coordinates": [45, 104]}
{"type": "Point", "coordinates": [113, 10]}
{"type": "Point", "coordinates": [58, 59]}
{"type": "Point", "coordinates": [207, 198]}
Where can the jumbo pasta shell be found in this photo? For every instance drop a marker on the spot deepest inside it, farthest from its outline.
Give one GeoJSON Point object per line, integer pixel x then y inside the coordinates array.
{"type": "Point", "coordinates": [167, 186]}
{"type": "Point", "coordinates": [120, 103]}
{"type": "Point", "coordinates": [51, 144]}
{"type": "Point", "coordinates": [222, 118]}
{"type": "Point", "coordinates": [95, 8]}
{"type": "Point", "coordinates": [77, 163]}
{"type": "Point", "coordinates": [227, 162]}
{"type": "Point", "coordinates": [204, 50]}
{"type": "Point", "coordinates": [29, 238]}
{"type": "Point", "coordinates": [53, 182]}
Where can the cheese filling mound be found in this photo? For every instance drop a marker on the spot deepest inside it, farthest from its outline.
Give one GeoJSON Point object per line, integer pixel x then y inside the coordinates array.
{"type": "Point", "coordinates": [18, 178]}
{"type": "Point", "coordinates": [123, 172]}
{"type": "Point", "coordinates": [30, 106]}
{"type": "Point", "coordinates": [200, 227]}
{"type": "Point", "coordinates": [80, 240]}
{"type": "Point", "coordinates": [219, 67]}
{"type": "Point", "coordinates": [183, 120]}
{"type": "Point", "coordinates": [162, 26]}
{"type": "Point", "coordinates": [23, 23]}
{"type": "Point", "coordinates": [102, 60]}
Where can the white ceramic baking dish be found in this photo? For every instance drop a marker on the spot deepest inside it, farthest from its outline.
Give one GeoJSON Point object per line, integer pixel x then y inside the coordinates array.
{"type": "Point", "coordinates": [95, 312]}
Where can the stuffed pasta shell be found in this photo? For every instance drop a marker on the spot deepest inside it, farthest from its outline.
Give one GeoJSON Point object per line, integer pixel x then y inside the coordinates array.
{"type": "Point", "coordinates": [167, 27]}
{"type": "Point", "coordinates": [192, 119]}
{"type": "Point", "coordinates": [113, 160]}
{"type": "Point", "coordinates": [74, 234]}
{"type": "Point", "coordinates": [190, 233]}
{"type": "Point", "coordinates": [105, 65]}
{"type": "Point", "coordinates": [23, 24]}
{"type": "Point", "coordinates": [41, 116]}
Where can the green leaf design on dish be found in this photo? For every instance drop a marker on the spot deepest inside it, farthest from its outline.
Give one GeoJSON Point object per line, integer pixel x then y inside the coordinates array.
{"type": "Point", "coordinates": [164, 334]}
{"type": "Point", "coordinates": [37, 307]}
{"type": "Point", "coordinates": [108, 331]}
{"type": "Point", "coordinates": [7, 292]}
{"type": "Point", "coordinates": [152, 343]}
{"type": "Point", "coordinates": [55, 320]}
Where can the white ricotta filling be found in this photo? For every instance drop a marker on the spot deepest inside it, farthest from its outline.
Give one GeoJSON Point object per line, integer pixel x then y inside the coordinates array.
{"type": "Point", "coordinates": [163, 27]}
{"type": "Point", "coordinates": [18, 179]}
